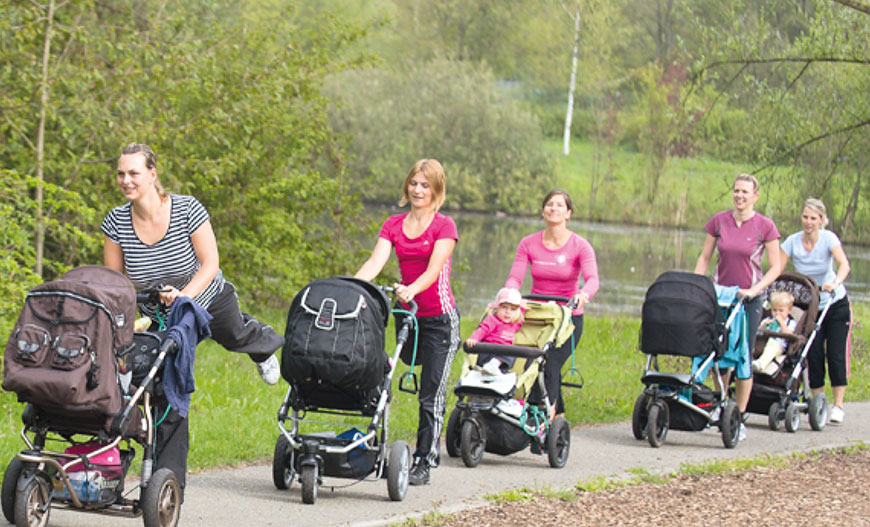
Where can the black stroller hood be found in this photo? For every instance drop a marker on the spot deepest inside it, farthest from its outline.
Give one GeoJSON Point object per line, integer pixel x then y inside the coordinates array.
{"type": "Point", "coordinates": [681, 316]}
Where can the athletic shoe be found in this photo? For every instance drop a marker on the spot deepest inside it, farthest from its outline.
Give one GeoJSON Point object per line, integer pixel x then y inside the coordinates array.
{"type": "Point", "coordinates": [716, 414]}
{"type": "Point", "coordinates": [492, 367]}
{"type": "Point", "coordinates": [269, 370]}
{"type": "Point", "coordinates": [837, 414]}
{"type": "Point", "coordinates": [419, 474]}
{"type": "Point", "coordinates": [741, 435]}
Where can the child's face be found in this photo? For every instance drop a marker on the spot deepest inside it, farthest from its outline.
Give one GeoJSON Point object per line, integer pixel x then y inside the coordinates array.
{"type": "Point", "coordinates": [507, 312]}
{"type": "Point", "coordinates": [782, 311]}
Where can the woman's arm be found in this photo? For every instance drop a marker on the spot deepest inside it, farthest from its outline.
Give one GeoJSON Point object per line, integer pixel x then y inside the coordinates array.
{"type": "Point", "coordinates": [518, 269]}
{"type": "Point", "coordinates": [205, 247]}
{"type": "Point", "coordinates": [706, 255]}
{"type": "Point", "coordinates": [113, 255]}
{"type": "Point", "coordinates": [842, 268]}
{"type": "Point", "coordinates": [783, 260]}
{"type": "Point", "coordinates": [441, 251]}
{"type": "Point", "coordinates": [773, 269]}
{"type": "Point", "coordinates": [377, 260]}
{"type": "Point", "coordinates": [589, 271]}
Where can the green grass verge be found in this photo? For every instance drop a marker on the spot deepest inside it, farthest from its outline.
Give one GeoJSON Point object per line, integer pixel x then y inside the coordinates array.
{"type": "Point", "coordinates": [233, 413]}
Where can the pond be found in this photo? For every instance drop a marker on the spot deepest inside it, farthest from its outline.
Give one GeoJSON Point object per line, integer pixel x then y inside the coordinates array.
{"type": "Point", "coordinates": [629, 260]}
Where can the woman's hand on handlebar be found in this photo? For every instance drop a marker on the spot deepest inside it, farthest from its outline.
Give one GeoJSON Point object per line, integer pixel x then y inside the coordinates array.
{"type": "Point", "coordinates": [169, 294]}
{"type": "Point", "coordinates": [580, 300]}
{"type": "Point", "coordinates": [403, 293]}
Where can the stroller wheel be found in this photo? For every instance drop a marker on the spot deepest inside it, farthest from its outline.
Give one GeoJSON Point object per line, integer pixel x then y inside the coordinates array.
{"type": "Point", "coordinates": [639, 416]}
{"type": "Point", "coordinates": [657, 424]}
{"type": "Point", "coordinates": [33, 505]}
{"type": "Point", "coordinates": [283, 464]}
{"type": "Point", "coordinates": [453, 434]}
{"type": "Point", "coordinates": [818, 411]}
{"type": "Point", "coordinates": [397, 470]}
{"type": "Point", "coordinates": [730, 424]}
{"type": "Point", "coordinates": [309, 483]}
{"type": "Point", "coordinates": [775, 416]}
{"type": "Point", "coordinates": [558, 442]}
{"type": "Point", "coordinates": [472, 443]}
{"type": "Point", "coordinates": [792, 418]}
{"type": "Point", "coordinates": [10, 482]}
{"type": "Point", "coordinates": [161, 500]}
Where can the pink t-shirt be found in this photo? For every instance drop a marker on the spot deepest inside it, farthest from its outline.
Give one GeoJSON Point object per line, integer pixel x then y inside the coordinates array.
{"type": "Point", "coordinates": [495, 331]}
{"type": "Point", "coordinates": [740, 248]}
{"type": "Point", "coordinates": [555, 272]}
{"type": "Point", "coordinates": [414, 254]}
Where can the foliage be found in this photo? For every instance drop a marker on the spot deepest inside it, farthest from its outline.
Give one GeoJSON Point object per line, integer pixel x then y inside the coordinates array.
{"type": "Point", "coordinates": [230, 100]}
{"type": "Point", "coordinates": [447, 110]}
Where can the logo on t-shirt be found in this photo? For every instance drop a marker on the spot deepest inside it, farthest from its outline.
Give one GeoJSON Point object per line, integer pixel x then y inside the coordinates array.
{"type": "Point", "coordinates": [560, 259]}
{"type": "Point", "coordinates": [425, 242]}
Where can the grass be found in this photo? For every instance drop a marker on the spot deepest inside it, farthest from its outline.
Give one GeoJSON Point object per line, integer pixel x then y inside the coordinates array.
{"type": "Point", "coordinates": [233, 413]}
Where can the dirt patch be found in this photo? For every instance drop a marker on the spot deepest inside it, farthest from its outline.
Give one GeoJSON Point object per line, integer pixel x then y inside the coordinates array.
{"type": "Point", "coordinates": [825, 489]}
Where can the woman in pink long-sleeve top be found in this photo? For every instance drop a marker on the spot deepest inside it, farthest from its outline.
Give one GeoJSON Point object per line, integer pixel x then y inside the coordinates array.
{"type": "Point", "coordinates": [557, 258]}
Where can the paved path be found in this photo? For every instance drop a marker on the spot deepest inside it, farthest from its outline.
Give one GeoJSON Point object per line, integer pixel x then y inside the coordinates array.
{"type": "Point", "coordinates": [246, 496]}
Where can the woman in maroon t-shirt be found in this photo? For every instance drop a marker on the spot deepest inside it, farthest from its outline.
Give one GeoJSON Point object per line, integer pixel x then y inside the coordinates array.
{"type": "Point", "coordinates": [424, 241]}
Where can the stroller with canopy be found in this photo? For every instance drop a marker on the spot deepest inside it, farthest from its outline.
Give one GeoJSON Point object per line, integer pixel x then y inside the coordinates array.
{"type": "Point", "coordinates": [334, 360]}
{"type": "Point", "coordinates": [488, 416]}
{"type": "Point", "coordinates": [71, 359]}
{"type": "Point", "coordinates": [682, 317]}
{"type": "Point", "coordinates": [783, 393]}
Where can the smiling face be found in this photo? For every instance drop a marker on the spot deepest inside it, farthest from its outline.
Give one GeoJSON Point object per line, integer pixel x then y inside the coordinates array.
{"type": "Point", "coordinates": [745, 195]}
{"type": "Point", "coordinates": [420, 192]}
{"type": "Point", "coordinates": [134, 178]}
{"type": "Point", "coordinates": [811, 220]}
{"type": "Point", "coordinates": [556, 210]}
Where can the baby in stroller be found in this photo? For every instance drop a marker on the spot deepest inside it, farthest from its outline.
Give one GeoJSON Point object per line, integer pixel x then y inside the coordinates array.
{"type": "Point", "coordinates": [499, 328]}
{"type": "Point", "coordinates": [780, 321]}
{"type": "Point", "coordinates": [492, 413]}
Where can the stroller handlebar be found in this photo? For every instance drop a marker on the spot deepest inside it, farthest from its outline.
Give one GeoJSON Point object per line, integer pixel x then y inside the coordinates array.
{"type": "Point", "coordinates": [150, 294]}
{"type": "Point", "coordinates": [412, 306]}
{"type": "Point", "coordinates": [551, 298]}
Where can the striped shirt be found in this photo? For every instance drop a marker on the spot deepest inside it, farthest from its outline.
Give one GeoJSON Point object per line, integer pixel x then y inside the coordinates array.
{"type": "Point", "coordinates": [170, 261]}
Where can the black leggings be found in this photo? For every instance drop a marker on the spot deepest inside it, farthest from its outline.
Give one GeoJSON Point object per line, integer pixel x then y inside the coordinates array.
{"type": "Point", "coordinates": [832, 342]}
{"type": "Point", "coordinates": [553, 368]}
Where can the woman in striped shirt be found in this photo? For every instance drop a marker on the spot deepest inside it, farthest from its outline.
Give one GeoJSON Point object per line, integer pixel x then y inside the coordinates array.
{"type": "Point", "coordinates": [158, 238]}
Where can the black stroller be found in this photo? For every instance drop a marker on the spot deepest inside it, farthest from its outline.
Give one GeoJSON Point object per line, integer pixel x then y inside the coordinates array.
{"type": "Point", "coordinates": [682, 316]}
{"type": "Point", "coordinates": [75, 339]}
{"type": "Point", "coordinates": [334, 360]}
{"type": "Point", "coordinates": [783, 393]}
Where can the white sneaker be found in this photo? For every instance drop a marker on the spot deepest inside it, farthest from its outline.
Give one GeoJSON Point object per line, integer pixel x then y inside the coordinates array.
{"type": "Point", "coordinates": [491, 367]}
{"type": "Point", "coordinates": [269, 370]}
{"type": "Point", "coordinates": [716, 414]}
{"type": "Point", "coordinates": [741, 435]}
{"type": "Point", "coordinates": [837, 414]}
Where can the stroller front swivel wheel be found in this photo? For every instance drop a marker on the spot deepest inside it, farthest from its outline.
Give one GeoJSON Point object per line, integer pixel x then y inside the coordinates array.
{"type": "Point", "coordinates": [730, 424]}
{"type": "Point", "coordinates": [818, 411]}
{"type": "Point", "coordinates": [792, 418]}
{"type": "Point", "coordinates": [453, 434]}
{"type": "Point", "coordinates": [639, 416]}
{"type": "Point", "coordinates": [775, 416]}
{"type": "Point", "coordinates": [33, 504]}
{"type": "Point", "coordinates": [398, 469]}
{"type": "Point", "coordinates": [161, 500]}
{"type": "Point", "coordinates": [283, 469]}
{"type": "Point", "coordinates": [10, 485]}
{"type": "Point", "coordinates": [309, 483]}
{"type": "Point", "coordinates": [658, 423]}
{"type": "Point", "coordinates": [472, 442]}
{"type": "Point", "coordinates": [558, 442]}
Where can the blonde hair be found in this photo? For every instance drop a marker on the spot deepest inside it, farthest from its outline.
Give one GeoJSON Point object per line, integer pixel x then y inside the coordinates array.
{"type": "Point", "coordinates": [781, 299]}
{"type": "Point", "coordinates": [817, 206]}
{"type": "Point", "coordinates": [434, 174]}
{"type": "Point", "coordinates": [747, 177]}
{"type": "Point", "coordinates": [150, 163]}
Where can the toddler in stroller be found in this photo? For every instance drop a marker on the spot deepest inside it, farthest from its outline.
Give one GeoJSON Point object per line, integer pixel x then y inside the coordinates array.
{"type": "Point", "coordinates": [71, 359]}
{"type": "Point", "coordinates": [682, 316]}
{"type": "Point", "coordinates": [489, 415]}
{"type": "Point", "coordinates": [499, 328]}
{"type": "Point", "coordinates": [779, 321]}
{"type": "Point", "coordinates": [782, 389]}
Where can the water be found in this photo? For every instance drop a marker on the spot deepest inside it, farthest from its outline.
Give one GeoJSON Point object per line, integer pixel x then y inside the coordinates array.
{"type": "Point", "coordinates": [629, 260]}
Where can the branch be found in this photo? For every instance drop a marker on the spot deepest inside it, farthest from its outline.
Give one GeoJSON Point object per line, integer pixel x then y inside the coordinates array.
{"type": "Point", "coordinates": [794, 80]}
{"type": "Point", "coordinates": [786, 60]}
{"type": "Point", "coordinates": [855, 5]}
{"type": "Point", "coordinates": [812, 140]}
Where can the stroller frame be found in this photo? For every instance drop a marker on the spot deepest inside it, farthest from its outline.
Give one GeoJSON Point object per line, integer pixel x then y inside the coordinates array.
{"type": "Point", "coordinates": [310, 457]}
{"type": "Point", "coordinates": [784, 405]}
{"type": "Point", "coordinates": [651, 419]}
{"type": "Point", "coordinates": [466, 430]}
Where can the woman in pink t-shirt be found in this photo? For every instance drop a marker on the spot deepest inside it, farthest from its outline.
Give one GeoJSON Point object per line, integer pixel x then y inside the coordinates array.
{"type": "Point", "coordinates": [557, 258]}
{"type": "Point", "coordinates": [741, 236]}
{"type": "Point", "coordinates": [424, 240]}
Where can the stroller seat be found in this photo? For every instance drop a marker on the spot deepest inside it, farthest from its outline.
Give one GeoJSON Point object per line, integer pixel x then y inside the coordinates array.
{"type": "Point", "coordinates": [477, 383]}
{"type": "Point", "coordinates": [666, 378]}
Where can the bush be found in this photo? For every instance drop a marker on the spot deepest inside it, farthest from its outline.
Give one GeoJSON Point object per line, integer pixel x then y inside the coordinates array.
{"type": "Point", "coordinates": [451, 111]}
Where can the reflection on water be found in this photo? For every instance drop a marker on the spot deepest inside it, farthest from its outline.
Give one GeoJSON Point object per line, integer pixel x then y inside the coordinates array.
{"type": "Point", "coordinates": [629, 260]}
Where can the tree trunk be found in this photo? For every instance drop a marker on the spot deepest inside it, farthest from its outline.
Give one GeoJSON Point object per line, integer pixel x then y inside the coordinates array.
{"type": "Point", "coordinates": [40, 138]}
{"type": "Point", "coordinates": [569, 114]}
